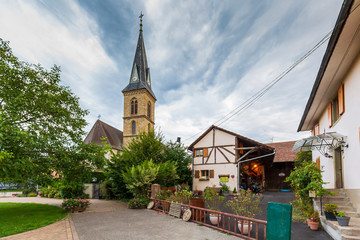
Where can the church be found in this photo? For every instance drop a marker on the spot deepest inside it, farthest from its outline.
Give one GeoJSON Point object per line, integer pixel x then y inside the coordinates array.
{"type": "Point", "coordinates": [139, 105]}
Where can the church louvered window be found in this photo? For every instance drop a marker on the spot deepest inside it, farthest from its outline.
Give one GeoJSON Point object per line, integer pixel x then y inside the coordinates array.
{"type": "Point", "coordinates": [149, 110]}
{"type": "Point", "coordinates": [134, 106]}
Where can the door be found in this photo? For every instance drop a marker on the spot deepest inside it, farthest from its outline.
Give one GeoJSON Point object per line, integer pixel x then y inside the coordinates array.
{"type": "Point", "coordinates": [338, 168]}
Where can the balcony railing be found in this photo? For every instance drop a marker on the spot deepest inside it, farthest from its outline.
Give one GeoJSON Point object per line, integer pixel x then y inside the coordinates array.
{"type": "Point", "coordinates": [229, 223]}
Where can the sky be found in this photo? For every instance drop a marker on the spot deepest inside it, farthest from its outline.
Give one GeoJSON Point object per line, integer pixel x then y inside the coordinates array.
{"type": "Point", "coordinates": [206, 57]}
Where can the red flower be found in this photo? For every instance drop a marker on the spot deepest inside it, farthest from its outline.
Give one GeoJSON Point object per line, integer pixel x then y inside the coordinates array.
{"type": "Point", "coordinates": [59, 187]}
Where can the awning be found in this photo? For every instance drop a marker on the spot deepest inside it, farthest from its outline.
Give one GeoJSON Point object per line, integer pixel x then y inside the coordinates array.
{"type": "Point", "coordinates": [322, 142]}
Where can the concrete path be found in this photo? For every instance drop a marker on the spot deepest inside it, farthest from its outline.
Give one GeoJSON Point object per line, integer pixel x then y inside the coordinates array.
{"type": "Point", "coordinates": [112, 220]}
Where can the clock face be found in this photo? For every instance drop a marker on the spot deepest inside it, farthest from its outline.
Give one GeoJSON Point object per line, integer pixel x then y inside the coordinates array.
{"type": "Point", "coordinates": [134, 79]}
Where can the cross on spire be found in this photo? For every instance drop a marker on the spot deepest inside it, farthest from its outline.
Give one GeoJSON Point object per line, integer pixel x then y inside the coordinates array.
{"type": "Point", "coordinates": [141, 16]}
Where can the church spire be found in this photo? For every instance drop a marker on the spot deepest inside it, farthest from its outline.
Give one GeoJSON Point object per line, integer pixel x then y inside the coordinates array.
{"type": "Point", "coordinates": [140, 73]}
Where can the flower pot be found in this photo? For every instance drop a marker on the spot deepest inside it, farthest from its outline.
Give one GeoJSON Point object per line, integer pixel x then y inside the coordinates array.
{"type": "Point", "coordinates": [330, 216]}
{"type": "Point", "coordinates": [246, 226]}
{"type": "Point", "coordinates": [314, 225]}
{"type": "Point", "coordinates": [343, 221]}
{"type": "Point", "coordinates": [215, 218]}
{"type": "Point", "coordinates": [307, 221]}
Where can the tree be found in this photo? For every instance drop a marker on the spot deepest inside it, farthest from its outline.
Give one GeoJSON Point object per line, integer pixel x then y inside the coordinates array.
{"type": "Point", "coordinates": [176, 152]}
{"type": "Point", "coordinates": [41, 124]}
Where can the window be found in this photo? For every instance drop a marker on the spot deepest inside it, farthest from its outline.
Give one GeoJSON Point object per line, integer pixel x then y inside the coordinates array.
{"type": "Point", "coordinates": [149, 110]}
{"type": "Point", "coordinates": [134, 106]}
{"type": "Point", "coordinates": [336, 107]}
{"type": "Point", "coordinates": [204, 174]}
{"type": "Point", "coordinates": [133, 124]}
{"type": "Point", "coordinates": [198, 153]}
{"type": "Point", "coordinates": [316, 129]}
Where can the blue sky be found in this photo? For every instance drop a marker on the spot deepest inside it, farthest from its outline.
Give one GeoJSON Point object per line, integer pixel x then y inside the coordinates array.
{"type": "Point", "coordinates": [205, 57]}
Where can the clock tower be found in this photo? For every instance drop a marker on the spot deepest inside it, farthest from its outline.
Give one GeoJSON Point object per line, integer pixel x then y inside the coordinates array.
{"type": "Point", "coordinates": [139, 99]}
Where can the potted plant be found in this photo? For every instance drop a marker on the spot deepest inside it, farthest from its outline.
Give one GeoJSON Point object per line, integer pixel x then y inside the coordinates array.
{"type": "Point", "coordinates": [342, 219]}
{"type": "Point", "coordinates": [75, 205]}
{"type": "Point", "coordinates": [246, 204]}
{"type": "Point", "coordinates": [314, 222]}
{"type": "Point", "coordinates": [213, 202]}
{"type": "Point", "coordinates": [224, 189]}
{"type": "Point", "coordinates": [330, 211]}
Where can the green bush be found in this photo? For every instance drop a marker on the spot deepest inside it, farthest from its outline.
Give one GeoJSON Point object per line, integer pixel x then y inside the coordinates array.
{"type": "Point", "coordinates": [32, 194]}
{"type": "Point", "coordinates": [72, 191]}
{"type": "Point", "coordinates": [21, 195]}
{"type": "Point", "coordinates": [138, 202]}
{"type": "Point", "coordinates": [29, 190]}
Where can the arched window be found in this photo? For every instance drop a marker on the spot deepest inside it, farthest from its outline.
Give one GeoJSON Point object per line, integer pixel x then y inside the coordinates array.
{"type": "Point", "coordinates": [133, 124]}
{"type": "Point", "coordinates": [134, 106]}
{"type": "Point", "coordinates": [149, 110]}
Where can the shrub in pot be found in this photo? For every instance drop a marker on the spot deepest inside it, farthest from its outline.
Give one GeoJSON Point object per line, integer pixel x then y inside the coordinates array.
{"type": "Point", "coordinates": [330, 211]}
{"type": "Point", "coordinates": [314, 222]}
{"type": "Point", "coordinates": [214, 202]}
{"type": "Point", "coordinates": [342, 219]}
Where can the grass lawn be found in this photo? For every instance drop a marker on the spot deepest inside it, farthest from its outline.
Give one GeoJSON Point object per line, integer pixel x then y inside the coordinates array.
{"type": "Point", "coordinates": [12, 190]}
{"type": "Point", "coordinates": [22, 217]}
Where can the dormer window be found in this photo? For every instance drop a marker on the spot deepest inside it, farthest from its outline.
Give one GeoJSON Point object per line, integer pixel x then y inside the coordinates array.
{"type": "Point", "coordinates": [134, 106]}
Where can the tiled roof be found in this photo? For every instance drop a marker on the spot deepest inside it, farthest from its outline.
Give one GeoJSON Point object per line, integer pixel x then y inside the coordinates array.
{"type": "Point", "coordinates": [283, 151]}
{"type": "Point", "coordinates": [113, 136]}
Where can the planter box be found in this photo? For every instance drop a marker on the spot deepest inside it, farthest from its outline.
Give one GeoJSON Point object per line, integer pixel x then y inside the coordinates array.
{"type": "Point", "coordinates": [330, 216]}
{"type": "Point", "coordinates": [343, 221]}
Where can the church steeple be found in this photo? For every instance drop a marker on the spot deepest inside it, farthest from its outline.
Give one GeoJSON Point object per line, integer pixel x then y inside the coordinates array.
{"type": "Point", "coordinates": [140, 73]}
{"type": "Point", "coordinates": [139, 99]}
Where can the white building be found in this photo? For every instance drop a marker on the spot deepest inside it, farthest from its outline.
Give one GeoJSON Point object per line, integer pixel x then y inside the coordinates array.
{"type": "Point", "coordinates": [219, 153]}
{"type": "Point", "coordinates": [334, 107]}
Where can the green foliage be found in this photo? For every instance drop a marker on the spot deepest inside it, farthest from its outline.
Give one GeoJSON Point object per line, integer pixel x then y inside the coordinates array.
{"type": "Point", "coordinates": [71, 191]}
{"type": "Point", "coordinates": [301, 157]}
{"type": "Point", "coordinates": [163, 194]}
{"type": "Point", "coordinates": [21, 195]}
{"type": "Point", "coordinates": [245, 204]}
{"type": "Point", "coordinates": [315, 217]}
{"type": "Point", "coordinates": [183, 196]}
{"type": "Point", "coordinates": [138, 202]}
{"type": "Point", "coordinates": [331, 207]}
{"type": "Point", "coordinates": [172, 159]}
{"type": "Point", "coordinates": [72, 205]}
{"type": "Point", "coordinates": [304, 178]}
{"type": "Point", "coordinates": [22, 217]}
{"type": "Point", "coordinates": [41, 125]}
{"type": "Point", "coordinates": [224, 188]}
{"type": "Point", "coordinates": [145, 147]}
{"type": "Point", "coordinates": [29, 190]}
{"type": "Point", "coordinates": [138, 179]}
{"type": "Point", "coordinates": [213, 199]}
{"type": "Point", "coordinates": [341, 214]}
{"type": "Point", "coordinates": [167, 175]}
{"type": "Point", "coordinates": [234, 191]}
{"type": "Point", "coordinates": [32, 194]}
{"type": "Point", "coordinates": [177, 153]}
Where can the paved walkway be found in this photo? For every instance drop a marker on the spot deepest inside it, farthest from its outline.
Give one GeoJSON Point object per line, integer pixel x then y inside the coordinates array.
{"type": "Point", "coordinates": [112, 220]}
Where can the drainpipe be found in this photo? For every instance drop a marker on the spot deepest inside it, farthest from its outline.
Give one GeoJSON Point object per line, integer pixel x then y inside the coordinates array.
{"type": "Point", "coordinates": [248, 160]}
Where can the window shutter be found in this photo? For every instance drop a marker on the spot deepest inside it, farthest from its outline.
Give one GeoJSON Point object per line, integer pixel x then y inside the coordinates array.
{"type": "Point", "coordinates": [241, 145]}
{"type": "Point", "coordinates": [206, 152]}
{"type": "Point", "coordinates": [194, 153]}
{"type": "Point", "coordinates": [318, 162]}
{"type": "Point", "coordinates": [341, 99]}
{"type": "Point", "coordinates": [211, 173]}
{"type": "Point", "coordinates": [197, 173]}
{"type": "Point", "coordinates": [329, 115]}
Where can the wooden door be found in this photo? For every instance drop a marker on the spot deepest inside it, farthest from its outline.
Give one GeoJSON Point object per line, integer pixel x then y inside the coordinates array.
{"type": "Point", "coordinates": [338, 168]}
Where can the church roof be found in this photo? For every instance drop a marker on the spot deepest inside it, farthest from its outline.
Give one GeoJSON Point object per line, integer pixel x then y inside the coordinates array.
{"type": "Point", "coordinates": [140, 74]}
{"type": "Point", "coordinates": [113, 136]}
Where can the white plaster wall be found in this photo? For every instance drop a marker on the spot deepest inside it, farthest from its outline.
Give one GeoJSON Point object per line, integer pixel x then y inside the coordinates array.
{"type": "Point", "coordinates": [348, 125]}
{"type": "Point", "coordinates": [219, 169]}
{"type": "Point", "coordinates": [222, 167]}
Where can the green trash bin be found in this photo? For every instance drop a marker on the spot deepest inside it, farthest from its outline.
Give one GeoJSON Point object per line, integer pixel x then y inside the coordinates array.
{"type": "Point", "coordinates": [279, 217]}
